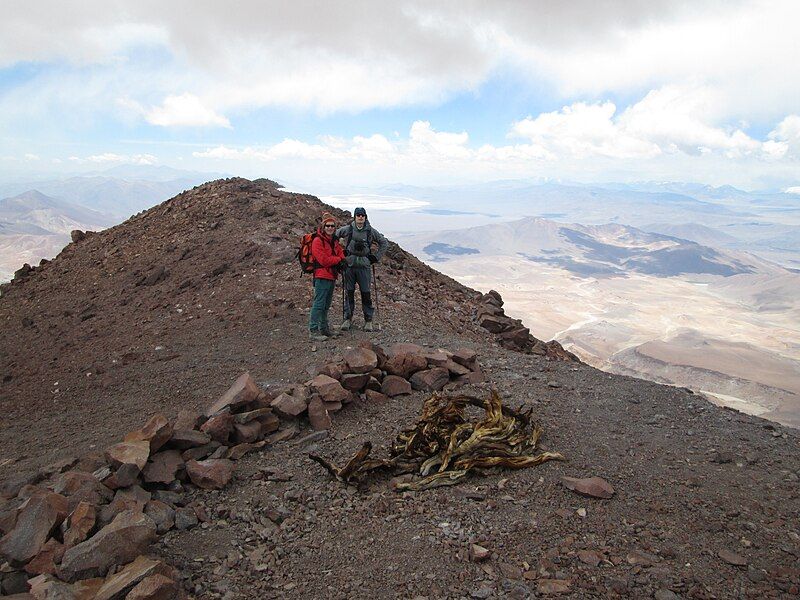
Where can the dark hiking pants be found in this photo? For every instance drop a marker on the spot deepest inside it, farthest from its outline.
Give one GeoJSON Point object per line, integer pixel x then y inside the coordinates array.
{"type": "Point", "coordinates": [361, 276]}
{"type": "Point", "coordinates": [323, 296]}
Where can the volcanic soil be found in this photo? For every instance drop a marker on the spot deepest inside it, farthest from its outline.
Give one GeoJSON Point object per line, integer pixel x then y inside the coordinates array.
{"type": "Point", "coordinates": [164, 311]}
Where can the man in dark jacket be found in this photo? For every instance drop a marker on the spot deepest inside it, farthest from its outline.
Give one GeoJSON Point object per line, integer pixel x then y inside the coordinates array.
{"type": "Point", "coordinates": [358, 238]}
{"type": "Point", "coordinates": [327, 255]}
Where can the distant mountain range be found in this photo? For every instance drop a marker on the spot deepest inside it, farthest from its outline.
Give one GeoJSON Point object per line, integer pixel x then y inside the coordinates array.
{"type": "Point", "coordinates": [36, 216]}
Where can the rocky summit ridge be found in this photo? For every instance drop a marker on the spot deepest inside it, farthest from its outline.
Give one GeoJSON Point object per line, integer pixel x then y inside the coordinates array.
{"type": "Point", "coordinates": [198, 301]}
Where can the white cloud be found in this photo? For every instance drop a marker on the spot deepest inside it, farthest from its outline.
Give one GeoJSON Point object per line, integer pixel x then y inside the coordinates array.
{"type": "Point", "coordinates": [186, 110]}
{"type": "Point", "coordinates": [795, 189]}
{"type": "Point", "coordinates": [786, 136]}
{"type": "Point", "coordinates": [31, 157]}
{"type": "Point", "coordinates": [358, 55]}
{"type": "Point", "coordinates": [424, 142]}
{"type": "Point", "coordinates": [110, 158]}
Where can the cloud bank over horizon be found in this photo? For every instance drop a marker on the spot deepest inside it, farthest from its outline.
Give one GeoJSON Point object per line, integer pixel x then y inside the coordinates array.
{"type": "Point", "coordinates": [683, 90]}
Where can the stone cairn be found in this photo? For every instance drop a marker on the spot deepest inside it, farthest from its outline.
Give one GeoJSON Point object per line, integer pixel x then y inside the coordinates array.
{"type": "Point", "coordinates": [80, 528]}
{"type": "Point", "coordinates": [512, 334]}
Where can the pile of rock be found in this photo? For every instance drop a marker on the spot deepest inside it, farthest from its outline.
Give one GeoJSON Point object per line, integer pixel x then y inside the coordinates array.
{"type": "Point", "coordinates": [80, 528]}
{"type": "Point", "coordinates": [373, 374]}
{"type": "Point", "coordinates": [512, 334]}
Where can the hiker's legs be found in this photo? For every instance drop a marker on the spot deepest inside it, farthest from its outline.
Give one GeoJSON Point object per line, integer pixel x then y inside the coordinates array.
{"type": "Point", "coordinates": [364, 277]}
{"type": "Point", "coordinates": [349, 283]}
{"type": "Point", "coordinates": [323, 295]}
{"type": "Point", "coordinates": [325, 327]}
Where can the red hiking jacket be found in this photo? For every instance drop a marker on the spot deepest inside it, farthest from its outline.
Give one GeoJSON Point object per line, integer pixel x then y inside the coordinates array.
{"type": "Point", "coordinates": [327, 255]}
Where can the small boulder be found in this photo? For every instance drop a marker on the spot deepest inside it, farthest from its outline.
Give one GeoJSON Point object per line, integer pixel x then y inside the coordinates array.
{"type": "Point", "coordinates": [396, 349]}
{"type": "Point", "coordinates": [355, 382]}
{"type": "Point", "coordinates": [124, 453]}
{"type": "Point", "coordinates": [187, 419]}
{"type": "Point", "coordinates": [212, 474]}
{"type": "Point", "coordinates": [394, 385]}
{"type": "Point", "coordinates": [405, 365]}
{"type": "Point", "coordinates": [36, 520]}
{"type": "Point", "coordinates": [430, 380]}
{"type": "Point", "coordinates": [47, 559]}
{"type": "Point", "coordinates": [119, 542]}
{"type": "Point", "coordinates": [247, 433]}
{"type": "Point", "coordinates": [595, 487]}
{"type": "Point", "coordinates": [289, 406]}
{"type": "Point", "coordinates": [374, 396]}
{"type": "Point", "coordinates": [466, 357]}
{"type": "Point", "coordinates": [219, 427]}
{"type": "Point", "coordinates": [116, 586]}
{"type": "Point", "coordinates": [163, 467]}
{"type": "Point", "coordinates": [155, 587]}
{"type": "Point", "coordinates": [329, 389]}
{"type": "Point", "coordinates": [79, 524]}
{"type": "Point", "coordinates": [318, 415]}
{"type": "Point", "coordinates": [163, 515]}
{"type": "Point", "coordinates": [157, 431]}
{"type": "Point", "coordinates": [360, 360]}
{"type": "Point", "coordinates": [243, 390]}
{"type": "Point", "coordinates": [183, 439]}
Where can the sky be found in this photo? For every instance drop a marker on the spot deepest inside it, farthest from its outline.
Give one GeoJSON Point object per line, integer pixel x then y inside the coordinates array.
{"type": "Point", "coordinates": [420, 92]}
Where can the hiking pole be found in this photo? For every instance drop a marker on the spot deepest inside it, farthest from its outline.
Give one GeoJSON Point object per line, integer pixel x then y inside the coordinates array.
{"type": "Point", "coordinates": [375, 284]}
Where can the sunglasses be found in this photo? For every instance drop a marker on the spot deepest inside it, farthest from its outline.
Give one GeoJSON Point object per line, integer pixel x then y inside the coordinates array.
{"type": "Point", "coordinates": [326, 226]}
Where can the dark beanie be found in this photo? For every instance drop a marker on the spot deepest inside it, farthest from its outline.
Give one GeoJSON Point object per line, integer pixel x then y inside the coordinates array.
{"type": "Point", "coordinates": [360, 211]}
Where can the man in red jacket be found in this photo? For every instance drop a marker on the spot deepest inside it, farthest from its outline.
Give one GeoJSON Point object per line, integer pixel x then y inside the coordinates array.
{"type": "Point", "coordinates": [327, 255]}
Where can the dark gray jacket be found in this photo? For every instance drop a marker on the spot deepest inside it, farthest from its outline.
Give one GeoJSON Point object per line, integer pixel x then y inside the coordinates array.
{"type": "Point", "coordinates": [358, 249]}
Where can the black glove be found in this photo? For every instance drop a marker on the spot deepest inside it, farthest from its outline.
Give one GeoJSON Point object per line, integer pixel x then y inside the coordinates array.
{"type": "Point", "coordinates": [372, 259]}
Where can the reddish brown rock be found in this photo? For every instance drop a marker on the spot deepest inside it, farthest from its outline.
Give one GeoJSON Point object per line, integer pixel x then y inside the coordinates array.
{"type": "Point", "coordinates": [212, 474]}
{"type": "Point", "coordinates": [252, 415]}
{"type": "Point", "coordinates": [360, 360]}
{"type": "Point", "coordinates": [36, 520]}
{"type": "Point", "coordinates": [289, 406]}
{"type": "Point", "coordinates": [47, 559]}
{"type": "Point", "coordinates": [595, 487]}
{"type": "Point", "coordinates": [430, 380]}
{"type": "Point", "coordinates": [397, 349]}
{"type": "Point", "coordinates": [732, 558]}
{"type": "Point", "coordinates": [455, 368]}
{"type": "Point", "coordinates": [183, 439]}
{"type": "Point", "coordinates": [80, 486]}
{"type": "Point", "coordinates": [119, 542]}
{"type": "Point", "coordinates": [590, 557]}
{"type": "Point", "coordinates": [472, 377]}
{"type": "Point", "coordinates": [375, 396]}
{"type": "Point", "coordinates": [494, 324]}
{"type": "Point", "coordinates": [155, 587]}
{"type": "Point", "coordinates": [329, 389]}
{"type": "Point", "coordinates": [318, 415]}
{"type": "Point", "coordinates": [465, 357]}
{"type": "Point", "coordinates": [516, 336]}
{"type": "Point", "coordinates": [243, 390]}
{"type": "Point", "coordinates": [157, 431]}
{"type": "Point", "coordinates": [86, 589]}
{"type": "Point", "coordinates": [332, 370]}
{"type": "Point", "coordinates": [355, 382]}
{"type": "Point", "coordinates": [376, 349]}
{"type": "Point", "coordinates": [163, 467]}
{"type": "Point", "coordinates": [46, 587]}
{"type": "Point", "coordinates": [163, 515]}
{"type": "Point", "coordinates": [553, 586]}
{"type": "Point", "coordinates": [125, 476]}
{"type": "Point", "coordinates": [187, 419]}
{"type": "Point", "coordinates": [269, 423]}
{"type": "Point", "coordinates": [240, 450]}
{"type": "Point", "coordinates": [79, 524]}
{"type": "Point", "coordinates": [373, 384]}
{"type": "Point", "coordinates": [395, 386]}
{"type": "Point", "coordinates": [117, 585]}
{"type": "Point", "coordinates": [405, 365]}
{"type": "Point", "coordinates": [128, 453]}
{"type": "Point", "coordinates": [478, 553]}
{"type": "Point", "coordinates": [219, 427]}
{"type": "Point", "coordinates": [200, 452]}
{"type": "Point", "coordinates": [247, 433]}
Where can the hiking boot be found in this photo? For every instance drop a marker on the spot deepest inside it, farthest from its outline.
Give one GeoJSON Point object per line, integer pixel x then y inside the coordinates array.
{"type": "Point", "coordinates": [345, 326]}
{"type": "Point", "coordinates": [328, 332]}
{"type": "Point", "coordinates": [369, 326]}
{"type": "Point", "coordinates": [316, 336]}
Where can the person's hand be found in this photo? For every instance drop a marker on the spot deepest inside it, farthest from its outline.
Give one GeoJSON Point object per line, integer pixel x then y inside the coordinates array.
{"type": "Point", "coordinates": [372, 259]}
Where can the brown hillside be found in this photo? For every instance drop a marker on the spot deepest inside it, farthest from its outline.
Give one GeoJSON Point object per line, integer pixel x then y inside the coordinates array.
{"type": "Point", "coordinates": [164, 312]}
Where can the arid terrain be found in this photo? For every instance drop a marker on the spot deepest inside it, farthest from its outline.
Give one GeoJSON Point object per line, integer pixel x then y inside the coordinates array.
{"type": "Point", "coordinates": [724, 324]}
{"type": "Point", "coordinates": [163, 312]}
